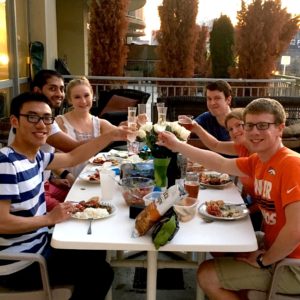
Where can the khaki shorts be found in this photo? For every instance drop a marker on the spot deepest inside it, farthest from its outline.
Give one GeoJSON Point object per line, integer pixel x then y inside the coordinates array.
{"type": "Point", "coordinates": [236, 275]}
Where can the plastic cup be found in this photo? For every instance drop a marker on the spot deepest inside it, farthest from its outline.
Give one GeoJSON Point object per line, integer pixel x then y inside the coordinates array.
{"type": "Point", "coordinates": [186, 122]}
{"type": "Point", "coordinates": [108, 184]}
{"type": "Point", "coordinates": [192, 184]}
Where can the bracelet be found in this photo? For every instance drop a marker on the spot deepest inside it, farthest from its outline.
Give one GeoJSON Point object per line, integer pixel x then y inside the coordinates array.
{"type": "Point", "coordinates": [64, 174]}
{"type": "Point", "coordinates": [259, 260]}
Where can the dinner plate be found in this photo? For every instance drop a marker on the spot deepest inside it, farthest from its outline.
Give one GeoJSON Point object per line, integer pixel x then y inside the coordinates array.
{"type": "Point", "coordinates": [107, 204]}
{"type": "Point", "coordinates": [86, 176]}
{"type": "Point", "coordinates": [216, 186]}
{"type": "Point", "coordinates": [105, 159]}
{"type": "Point", "coordinates": [242, 210]}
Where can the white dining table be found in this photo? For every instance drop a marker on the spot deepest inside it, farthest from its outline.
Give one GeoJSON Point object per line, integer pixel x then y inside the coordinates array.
{"type": "Point", "coordinates": [115, 232]}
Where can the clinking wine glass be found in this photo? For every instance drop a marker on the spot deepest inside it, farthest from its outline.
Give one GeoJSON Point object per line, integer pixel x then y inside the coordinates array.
{"type": "Point", "coordinates": [142, 114]}
{"type": "Point", "coordinates": [133, 127]}
{"type": "Point", "coordinates": [162, 118]}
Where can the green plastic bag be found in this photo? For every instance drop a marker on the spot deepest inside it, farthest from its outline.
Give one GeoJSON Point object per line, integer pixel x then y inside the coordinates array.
{"type": "Point", "coordinates": [165, 229]}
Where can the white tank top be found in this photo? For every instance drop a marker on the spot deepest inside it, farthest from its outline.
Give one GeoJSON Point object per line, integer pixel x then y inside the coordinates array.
{"type": "Point", "coordinates": [71, 131]}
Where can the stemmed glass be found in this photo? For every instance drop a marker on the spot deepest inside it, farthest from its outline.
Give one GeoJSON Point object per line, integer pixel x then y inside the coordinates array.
{"type": "Point", "coordinates": [162, 118]}
{"type": "Point", "coordinates": [142, 114]}
{"type": "Point", "coordinates": [132, 146]}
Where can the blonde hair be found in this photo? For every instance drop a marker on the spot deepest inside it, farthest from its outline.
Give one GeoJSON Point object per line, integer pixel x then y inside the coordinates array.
{"type": "Point", "coordinates": [77, 81]}
{"type": "Point", "coordinates": [236, 113]}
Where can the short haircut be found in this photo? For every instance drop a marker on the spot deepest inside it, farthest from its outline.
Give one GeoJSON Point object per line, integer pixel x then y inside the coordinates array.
{"type": "Point", "coordinates": [41, 78]}
{"type": "Point", "coordinates": [266, 105]}
{"type": "Point", "coordinates": [18, 101]}
{"type": "Point", "coordinates": [236, 113]}
{"type": "Point", "coordinates": [220, 85]}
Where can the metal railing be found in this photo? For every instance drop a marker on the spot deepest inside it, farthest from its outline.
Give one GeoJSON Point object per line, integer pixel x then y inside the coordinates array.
{"type": "Point", "coordinates": [162, 87]}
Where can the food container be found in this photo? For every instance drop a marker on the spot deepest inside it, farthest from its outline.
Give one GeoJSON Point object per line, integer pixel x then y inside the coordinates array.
{"type": "Point", "coordinates": [135, 188]}
{"type": "Point", "coordinates": [151, 197]}
{"type": "Point", "coordinates": [186, 208]}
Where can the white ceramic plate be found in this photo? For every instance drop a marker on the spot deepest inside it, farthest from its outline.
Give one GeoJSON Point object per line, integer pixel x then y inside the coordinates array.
{"type": "Point", "coordinates": [105, 159]}
{"type": "Point", "coordinates": [216, 186]}
{"type": "Point", "coordinates": [242, 210]}
{"type": "Point", "coordinates": [86, 176]}
{"type": "Point", "coordinates": [107, 204]}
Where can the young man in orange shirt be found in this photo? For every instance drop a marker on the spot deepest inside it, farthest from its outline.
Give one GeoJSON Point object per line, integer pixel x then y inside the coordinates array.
{"type": "Point", "coordinates": [275, 172]}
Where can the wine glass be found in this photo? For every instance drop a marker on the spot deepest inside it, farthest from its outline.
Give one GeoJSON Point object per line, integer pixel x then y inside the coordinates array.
{"type": "Point", "coordinates": [162, 118]}
{"type": "Point", "coordinates": [142, 114]}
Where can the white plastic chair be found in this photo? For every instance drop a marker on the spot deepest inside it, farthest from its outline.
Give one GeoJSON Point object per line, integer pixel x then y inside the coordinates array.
{"type": "Point", "coordinates": [272, 293]}
{"type": "Point", "coordinates": [23, 260]}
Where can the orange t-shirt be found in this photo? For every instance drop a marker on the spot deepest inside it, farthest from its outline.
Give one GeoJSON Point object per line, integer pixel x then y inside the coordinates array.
{"type": "Point", "coordinates": [276, 184]}
{"type": "Point", "coordinates": [247, 181]}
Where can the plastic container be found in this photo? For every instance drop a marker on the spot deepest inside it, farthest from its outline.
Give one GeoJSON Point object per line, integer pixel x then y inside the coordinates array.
{"type": "Point", "coordinates": [186, 208]}
{"type": "Point", "coordinates": [151, 197]}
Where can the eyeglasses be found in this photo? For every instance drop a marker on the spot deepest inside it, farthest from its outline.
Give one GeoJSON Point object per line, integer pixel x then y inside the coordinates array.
{"type": "Point", "coordinates": [259, 126]}
{"type": "Point", "coordinates": [47, 120]}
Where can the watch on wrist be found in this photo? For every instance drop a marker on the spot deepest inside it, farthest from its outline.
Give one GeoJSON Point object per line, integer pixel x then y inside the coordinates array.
{"type": "Point", "coordinates": [259, 260]}
{"type": "Point", "coordinates": [64, 174]}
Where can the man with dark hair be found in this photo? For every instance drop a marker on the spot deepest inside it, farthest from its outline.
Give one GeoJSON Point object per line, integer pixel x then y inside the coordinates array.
{"type": "Point", "coordinates": [24, 222]}
{"type": "Point", "coordinates": [218, 99]}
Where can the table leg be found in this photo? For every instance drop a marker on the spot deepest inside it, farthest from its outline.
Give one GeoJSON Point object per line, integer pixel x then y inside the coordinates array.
{"type": "Point", "coordinates": [151, 274]}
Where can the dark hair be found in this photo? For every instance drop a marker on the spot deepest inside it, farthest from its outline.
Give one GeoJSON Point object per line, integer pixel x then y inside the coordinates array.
{"type": "Point", "coordinates": [220, 85]}
{"type": "Point", "coordinates": [18, 101]}
{"type": "Point", "coordinates": [42, 76]}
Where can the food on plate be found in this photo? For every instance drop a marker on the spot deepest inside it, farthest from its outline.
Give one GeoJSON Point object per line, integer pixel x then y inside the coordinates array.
{"type": "Point", "coordinates": [135, 188]}
{"type": "Point", "coordinates": [100, 160]}
{"type": "Point", "coordinates": [91, 208]}
{"type": "Point", "coordinates": [95, 176]}
{"type": "Point", "coordinates": [214, 178]}
{"type": "Point", "coordinates": [219, 208]}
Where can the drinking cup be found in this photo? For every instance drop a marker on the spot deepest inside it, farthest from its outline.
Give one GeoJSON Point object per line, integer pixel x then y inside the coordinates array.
{"type": "Point", "coordinates": [162, 118]}
{"type": "Point", "coordinates": [131, 114]}
{"type": "Point", "coordinates": [133, 127]}
{"type": "Point", "coordinates": [186, 121]}
{"type": "Point", "coordinates": [108, 184]}
{"type": "Point", "coordinates": [142, 114]}
{"type": "Point", "coordinates": [133, 147]}
{"type": "Point", "coordinates": [142, 108]}
{"type": "Point", "coordinates": [192, 184]}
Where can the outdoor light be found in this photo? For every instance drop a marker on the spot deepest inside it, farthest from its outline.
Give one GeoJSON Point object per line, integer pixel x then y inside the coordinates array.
{"type": "Point", "coordinates": [285, 61]}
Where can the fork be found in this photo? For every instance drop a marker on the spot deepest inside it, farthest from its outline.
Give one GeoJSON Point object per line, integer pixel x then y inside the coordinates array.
{"type": "Point", "coordinates": [90, 226]}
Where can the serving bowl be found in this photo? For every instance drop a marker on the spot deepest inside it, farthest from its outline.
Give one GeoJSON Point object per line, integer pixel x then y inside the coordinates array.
{"type": "Point", "coordinates": [135, 188]}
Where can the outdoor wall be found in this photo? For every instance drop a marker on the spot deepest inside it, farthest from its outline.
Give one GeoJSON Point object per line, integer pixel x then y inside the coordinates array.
{"type": "Point", "coordinates": [42, 27]}
{"type": "Point", "coordinates": [71, 34]}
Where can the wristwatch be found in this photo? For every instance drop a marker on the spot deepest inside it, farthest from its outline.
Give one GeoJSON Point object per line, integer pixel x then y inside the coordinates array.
{"type": "Point", "coordinates": [259, 260]}
{"type": "Point", "coordinates": [64, 174]}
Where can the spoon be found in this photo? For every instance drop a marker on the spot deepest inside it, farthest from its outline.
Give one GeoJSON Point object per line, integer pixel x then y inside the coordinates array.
{"type": "Point", "coordinates": [90, 226]}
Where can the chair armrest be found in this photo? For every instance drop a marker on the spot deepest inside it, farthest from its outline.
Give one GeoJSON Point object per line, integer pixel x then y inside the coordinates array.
{"type": "Point", "coordinates": [23, 261]}
{"type": "Point", "coordinates": [284, 262]}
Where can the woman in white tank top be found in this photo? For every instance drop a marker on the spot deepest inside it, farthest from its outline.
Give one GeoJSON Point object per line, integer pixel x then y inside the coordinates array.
{"type": "Point", "coordinates": [78, 122]}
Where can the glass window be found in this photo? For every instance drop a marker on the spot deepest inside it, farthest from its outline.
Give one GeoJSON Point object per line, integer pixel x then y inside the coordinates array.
{"type": "Point", "coordinates": [3, 42]}
{"type": "Point", "coordinates": [22, 37]}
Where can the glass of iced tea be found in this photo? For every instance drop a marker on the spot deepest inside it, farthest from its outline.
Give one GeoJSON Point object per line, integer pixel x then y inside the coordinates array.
{"type": "Point", "coordinates": [192, 184]}
{"type": "Point", "coordinates": [186, 121]}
